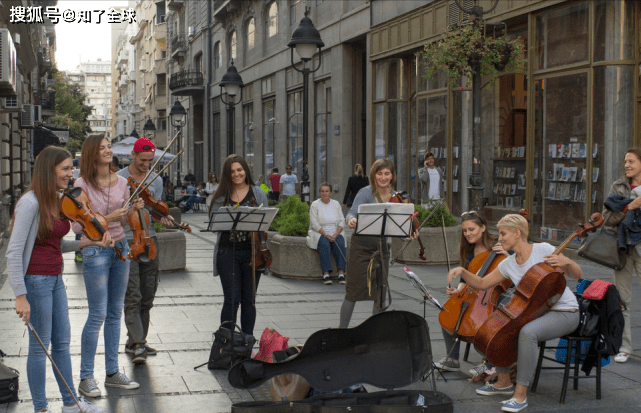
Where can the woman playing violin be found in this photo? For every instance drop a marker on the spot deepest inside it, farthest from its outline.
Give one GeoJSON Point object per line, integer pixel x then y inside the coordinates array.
{"type": "Point", "coordinates": [104, 273]}
{"type": "Point", "coordinates": [475, 240]}
{"type": "Point", "coordinates": [561, 320]}
{"type": "Point", "coordinates": [382, 177]}
{"type": "Point", "coordinates": [233, 252]}
{"type": "Point", "coordinates": [35, 266]}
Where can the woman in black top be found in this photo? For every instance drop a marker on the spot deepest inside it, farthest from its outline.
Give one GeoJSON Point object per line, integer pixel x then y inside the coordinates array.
{"type": "Point", "coordinates": [232, 260]}
{"type": "Point", "coordinates": [354, 184]}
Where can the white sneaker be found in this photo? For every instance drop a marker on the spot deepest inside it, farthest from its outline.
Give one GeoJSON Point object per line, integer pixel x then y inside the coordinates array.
{"type": "Point", "coordinates": [621, 357]}
{"type": "Point", "coordinates": [121, 381]}
{"type": "Point", "coordinates": [85, 406]}
{"type": "Point", "coordinates": [89, 387]}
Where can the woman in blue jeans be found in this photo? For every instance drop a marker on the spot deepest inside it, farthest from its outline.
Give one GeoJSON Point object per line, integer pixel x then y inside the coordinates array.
{"type": "Point", "coordinates": [105, 274]}
{"type": "Point", "coordinates": [232, 256]}
{"type": "Point", "coordinates": [326, 222]}
{"type": "Point", "coordinates": [34, 264]}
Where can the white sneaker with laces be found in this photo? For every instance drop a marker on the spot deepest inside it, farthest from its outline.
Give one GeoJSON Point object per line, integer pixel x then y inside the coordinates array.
{"type": "Point", "coordinates": [621, 357]}
{"type": "Point", "coordinates": [85, 405]}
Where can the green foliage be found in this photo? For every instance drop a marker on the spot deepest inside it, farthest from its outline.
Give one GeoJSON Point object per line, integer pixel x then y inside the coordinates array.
{"type": "Point", "coordinates": [461, 49]}
{"type": "Point", "coordinates": [71, 111]}
{"type": "Point", "coordinates": [271, 202]}
{"type": "Point", "coordinates": [292, 218]}
{"type": "Point", "coordinates": [435, 220]}
{"type": "Point", "coordinates": [169, 204]}
{"type": "Point", "coordinates": [158, 227]}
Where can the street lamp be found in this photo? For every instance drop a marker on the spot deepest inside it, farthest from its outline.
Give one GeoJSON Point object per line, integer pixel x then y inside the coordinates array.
{"type": "Point", "coordinates": [178, 115]}
{"type": "Point", "coordinates": [306, 40]}
{"type": "Point", "coordinates": [149, 130]}
{"type": "Point", "coordinates": [233, 85]}
{"type": "Point", "coordinates": [134, 134]}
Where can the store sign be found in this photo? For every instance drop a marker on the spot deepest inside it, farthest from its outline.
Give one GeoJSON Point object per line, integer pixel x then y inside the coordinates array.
{"type": "Point", "coordinates": [63, 135]}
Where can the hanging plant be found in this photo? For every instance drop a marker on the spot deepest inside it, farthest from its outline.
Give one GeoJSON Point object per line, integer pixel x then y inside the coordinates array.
{"type": "Point", "coordinates": [462, 49]}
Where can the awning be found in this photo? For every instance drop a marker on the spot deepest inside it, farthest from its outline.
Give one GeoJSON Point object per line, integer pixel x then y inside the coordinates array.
{"type": "Point", "coordinates": [42, 138]}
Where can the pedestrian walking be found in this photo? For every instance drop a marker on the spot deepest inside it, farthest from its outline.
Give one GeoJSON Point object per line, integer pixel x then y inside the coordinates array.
{"type": "Point", "coordinates": [354, 184]}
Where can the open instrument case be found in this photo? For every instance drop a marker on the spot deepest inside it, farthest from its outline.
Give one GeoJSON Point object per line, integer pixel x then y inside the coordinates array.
{"type": "Point", "coordinates": [388, 350]}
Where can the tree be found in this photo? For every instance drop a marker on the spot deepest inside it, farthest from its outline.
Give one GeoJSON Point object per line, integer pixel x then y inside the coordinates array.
{"type": "Point", "coordinates": [71, 111]}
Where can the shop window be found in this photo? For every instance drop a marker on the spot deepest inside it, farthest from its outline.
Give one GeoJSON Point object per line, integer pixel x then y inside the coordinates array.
{"type": "Point", "coordinates": [562, 37]}
{"type": "Point", "coordinates": [432, 133]}
{"type": "Point", "coordinates": [380, 71]}
{"type": "Point", "coordinates": [323, 131]}
{"type": "Point", "coordinates": [379, 131]}
{"type": "Point", "coordinates": [614, 30]}
{"type": "Point", "coordinates": [295, 131]}
{"type": "Point", "coordinates": [271, 24]}
{"type": "Point", "coordinates": [562, 179]}
{"type": "Point", "coordinates": [248, 141]}
{"type": "Point", "coordinates": [397, 82]}
{"type": "Point", "coordinates": [269, 126]}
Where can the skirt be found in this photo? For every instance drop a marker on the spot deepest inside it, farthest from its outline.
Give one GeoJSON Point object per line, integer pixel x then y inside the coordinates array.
{"type": "Point", "coordinates": [362, 249]}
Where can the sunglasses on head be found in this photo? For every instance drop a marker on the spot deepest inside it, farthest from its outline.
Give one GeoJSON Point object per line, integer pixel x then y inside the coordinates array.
{"type": "Point", "coordinates": [464, 214]}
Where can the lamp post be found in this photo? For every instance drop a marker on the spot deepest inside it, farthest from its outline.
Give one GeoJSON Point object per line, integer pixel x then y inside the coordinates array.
{"type": "Point", "coordinates": [307, 41]}
{"type": "Point", "coordinates": [233, 85]}
{"type": "Point", "coordinates": [149, 130]}
{"type": "Point", "coordinates": [177, 114]}
{"type": "Point", "coordinates": [134, 134]}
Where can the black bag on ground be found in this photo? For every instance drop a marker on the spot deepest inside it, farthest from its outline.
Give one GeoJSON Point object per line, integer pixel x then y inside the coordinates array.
{"type": "Point", "coordinates": [8, 382]}
{"type": "Point", "coordinates": [223, 353]}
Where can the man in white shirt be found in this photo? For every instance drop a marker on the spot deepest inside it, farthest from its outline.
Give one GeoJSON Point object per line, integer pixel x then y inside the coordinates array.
{"type": "Point", "coordinates": [288, 184]}
{"type": "Point", "coordinates": [431, 178]}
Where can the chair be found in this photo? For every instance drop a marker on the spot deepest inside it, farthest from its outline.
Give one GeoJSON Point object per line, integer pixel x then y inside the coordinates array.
{"type": "Point", "coordinates": [573, 343]}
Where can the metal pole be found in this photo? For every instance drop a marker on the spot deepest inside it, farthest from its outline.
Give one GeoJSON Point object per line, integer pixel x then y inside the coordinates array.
{"type": "Point", "coordinates": [476, 178]}
{"type": "Point", "coordinates": [304, 185]}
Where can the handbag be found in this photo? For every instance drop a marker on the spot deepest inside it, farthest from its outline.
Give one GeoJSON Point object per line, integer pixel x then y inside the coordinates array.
{"type": "Point", "coordinates": [270, 341]}
{"type": "Point", "coordinates": [8, 382]}
{"type": "Point", "coordinates": [601, 247]}
{"type": "Point", "coordinates": [229, 349]}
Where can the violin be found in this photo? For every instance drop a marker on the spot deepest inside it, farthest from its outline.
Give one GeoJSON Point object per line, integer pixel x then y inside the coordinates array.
{"type": "Point", "coordinates": [158, 209]}
{"type": "Point", "coordinates": [76, 206]}
{"type": "Point", "coordinates": [143, 248]}
{"type": "Point", "coordinates": [539, 289]}
{"type": "Point", "coordinates": [261, 255]}
{"type": "Point", "coordinates": [456, 319]}
{"type": "Point", "coordinates": [404, 198]}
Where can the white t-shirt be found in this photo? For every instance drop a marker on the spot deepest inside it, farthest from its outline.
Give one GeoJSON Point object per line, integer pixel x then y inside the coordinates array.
{"type": "Point", "coordinates": [328, 213]}
{"type": "Point", "coordinates": [635, 192]}
{"type": "Point", "coordinates": [289, 184]}
{"type": "Point", "coordinates": [511, 270]}
{"type": "Point", "coordinates": [435, 192]}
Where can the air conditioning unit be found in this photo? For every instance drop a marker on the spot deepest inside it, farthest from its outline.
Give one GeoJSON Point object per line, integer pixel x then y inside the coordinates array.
{"type": "Point", "coordinates": [8, 62]}
{"type": "Point", "coordinates": [26, 117]}
{"type": "Point", "coordinates": [37, 113]}
{"type": "Point", "coordinates": [11, 104]}
{"type": "Point", "coordinates": [192, 31]}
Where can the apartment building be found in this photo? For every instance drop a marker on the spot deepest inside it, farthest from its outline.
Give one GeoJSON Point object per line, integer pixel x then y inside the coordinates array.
{"type": "Point", "coordinates": [94, 78]}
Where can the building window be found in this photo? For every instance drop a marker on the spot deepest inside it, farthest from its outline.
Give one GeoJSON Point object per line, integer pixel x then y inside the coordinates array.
{"type": "Point", "coordinates": [249, 40]}
{"type": "Point", "coordinates": [161, 122]}
{"type": "Point", "coordinates": [218, 55]}
{"type": "Point", "coordinates": [268, 133]}
{"type": "Point", "coordinates": [295, 131]}
{"type": "Point", "coordinates": [232, 45]}
{"type": "Point", "coordinates": [198, 62]}
{"type": "Point", "coordinates": [161, 84]}
{"type": "Point", "coordinates": [160, 12]}
{"type": "Point", "coordinates": [271, 25]}
{"type": "Point", "coordinates": [319, 2]}
{"type": "Point", "coordinates": [323, 130]}
{"type": "Point", "coordinates": [248, 141]}
{"type": "Point", "coordinates": [295, 12]}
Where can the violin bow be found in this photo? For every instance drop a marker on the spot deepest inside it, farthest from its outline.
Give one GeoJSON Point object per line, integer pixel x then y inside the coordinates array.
{"type": "Point", "coordinates": [436, 207]}
{"type": "Point", "coordinates": [161, 171]}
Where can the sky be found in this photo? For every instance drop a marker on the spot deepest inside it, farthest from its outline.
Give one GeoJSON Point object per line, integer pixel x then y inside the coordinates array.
{"type": "Point", "coordinates": [76, 42]}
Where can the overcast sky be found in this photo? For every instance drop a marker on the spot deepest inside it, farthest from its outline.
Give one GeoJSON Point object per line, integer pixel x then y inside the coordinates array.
{"type": "Point", "coordinates": [76, 42]}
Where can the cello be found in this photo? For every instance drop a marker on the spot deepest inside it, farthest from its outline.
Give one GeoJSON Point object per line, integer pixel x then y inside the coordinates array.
{"type": "Point", "coordinates": [479, 304]}
{"type": "Point", "coordinates": [539, 289]}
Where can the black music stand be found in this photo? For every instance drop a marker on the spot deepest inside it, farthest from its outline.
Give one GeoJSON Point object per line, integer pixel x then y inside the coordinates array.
{"type": "Point", "coordinates": [239, 218]}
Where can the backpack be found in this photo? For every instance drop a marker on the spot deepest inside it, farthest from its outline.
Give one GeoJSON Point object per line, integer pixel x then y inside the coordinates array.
{"type": "Point", "coordinates": [8, 382]}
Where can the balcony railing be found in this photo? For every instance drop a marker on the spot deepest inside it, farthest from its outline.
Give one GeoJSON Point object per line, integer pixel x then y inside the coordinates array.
{"type": "Point", "coordinates": [186, 79]}
{"type": "Point", "coordinates": [48, 101]}
{"type": "Point", "coordinates": [178, 42]}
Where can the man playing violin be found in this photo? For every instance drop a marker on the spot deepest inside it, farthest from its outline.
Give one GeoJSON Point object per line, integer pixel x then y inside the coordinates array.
{"type": "Point", "coordinates": [143, 276]}
{"type": "Point", "coordinates": [562, 319]}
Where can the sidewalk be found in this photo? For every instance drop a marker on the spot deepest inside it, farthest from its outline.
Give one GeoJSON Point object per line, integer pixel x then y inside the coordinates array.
{"type": "Point", "coordinates": [187, 312]}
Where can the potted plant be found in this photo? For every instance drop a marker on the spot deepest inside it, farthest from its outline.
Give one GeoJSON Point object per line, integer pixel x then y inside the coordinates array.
{"type": "Point", "coordinates": [432, 237]}
{"type": "Point", "coordinates": [463, 48]}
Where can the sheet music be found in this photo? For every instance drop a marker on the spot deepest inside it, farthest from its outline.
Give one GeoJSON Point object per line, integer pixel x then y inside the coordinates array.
{"type": "Point", "coordinates": [418, 284]}
{"type": "Point", "coordinates": [397, 224]}
{"type": "Point", "coordinates": [248, 218]}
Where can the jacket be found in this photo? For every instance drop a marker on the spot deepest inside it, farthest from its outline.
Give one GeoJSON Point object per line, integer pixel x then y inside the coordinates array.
{"type": "Point", "coordinates": [629, 231]}
{"type": "Point", "coordinates": [424, 177]}
{"type": "Point", "coordinates": [354, 184]}
{"type": "Point", "coordinates": [620, 187]}
{"type": "Point", "coordinates": [317, 221]}
{"type": "Point", "coordinates": [23, 238]}
{"type": "Point", "coordinates": [261, 199]}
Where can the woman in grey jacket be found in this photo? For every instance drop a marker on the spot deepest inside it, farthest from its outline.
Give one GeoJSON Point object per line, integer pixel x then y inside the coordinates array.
{"type": "Point", "coordinates": [34, 264]}
{"type": "Point", "coordinates": [232, 256]}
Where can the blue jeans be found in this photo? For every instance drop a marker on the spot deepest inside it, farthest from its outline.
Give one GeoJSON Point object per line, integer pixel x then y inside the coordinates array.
{"type": "Point", "coordinates": [194, 199]}
{"type": "Point", "coordinates": [326, 248]}
{"type": "Point", "coordinates": [235, 271]}
{"type": "Point", "coordinates": [47, 298]}
{"type": "Point", "coordinates": [106, 280]}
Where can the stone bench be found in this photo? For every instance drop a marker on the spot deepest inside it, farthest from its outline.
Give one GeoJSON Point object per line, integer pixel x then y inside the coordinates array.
{"type": "Point", "coordinates": [172, 248]}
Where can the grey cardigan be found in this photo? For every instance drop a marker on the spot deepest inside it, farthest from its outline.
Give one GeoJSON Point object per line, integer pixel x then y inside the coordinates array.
{"type": "Point", "coordinates": [261, 198]}
{"type": "Point", "coordinates": [23, 238]}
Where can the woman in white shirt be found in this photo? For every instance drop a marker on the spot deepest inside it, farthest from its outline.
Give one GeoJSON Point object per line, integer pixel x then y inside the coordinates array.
{"type": "Point", "coordinates": [211, 187]}
{"type": "Point", "coordinates": [326, 222]}
{"type": "Point", "coordinates": [562, 319]}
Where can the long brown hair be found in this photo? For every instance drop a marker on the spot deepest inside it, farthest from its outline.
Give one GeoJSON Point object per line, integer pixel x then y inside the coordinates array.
{"type": "Point", "coordinates": [225, 187]}
{"type": "Point", "coordinates": [89, 159]}
{"type": "Point", "coordinates": [43, 185]}
{"type": "Point", "coordinates": [379, 165]}
{"type": "Point", "coordinates": [466, 249]}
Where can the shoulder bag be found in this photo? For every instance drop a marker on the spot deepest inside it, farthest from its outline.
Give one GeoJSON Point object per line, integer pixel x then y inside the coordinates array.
{"type": "Point", "coordinates": [229, 349]}
{"type": "Point", "coordinates": [601, 247]}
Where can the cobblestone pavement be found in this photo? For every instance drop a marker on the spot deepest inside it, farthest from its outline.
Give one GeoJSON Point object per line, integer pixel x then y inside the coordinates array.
{"type": "Point", "coordinates": [187, 311]}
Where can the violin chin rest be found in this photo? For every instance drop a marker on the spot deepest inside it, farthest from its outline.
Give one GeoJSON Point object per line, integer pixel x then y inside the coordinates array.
{"type": "Point", "coordinates": [247, 374]}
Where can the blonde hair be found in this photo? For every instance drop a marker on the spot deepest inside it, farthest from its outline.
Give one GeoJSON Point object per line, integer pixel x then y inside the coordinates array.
{"type": "Point", "coordinates": [514, 222]}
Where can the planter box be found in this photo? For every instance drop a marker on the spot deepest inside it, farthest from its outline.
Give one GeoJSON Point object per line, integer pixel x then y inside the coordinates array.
{"type": "Point", "coordinates": [432, 239]}
{"type": "Point", "coordinates": [172, 248]}
{"type": "Point", "coordinates": [176, 214]}
{"type": "Point", "coordinates": [292, 258]}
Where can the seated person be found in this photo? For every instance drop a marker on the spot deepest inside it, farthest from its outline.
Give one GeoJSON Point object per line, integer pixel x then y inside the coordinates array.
{"type": "Point", "coordinates": [191, 190]}
{"type": "Point", "coordinates": [199, 197]}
